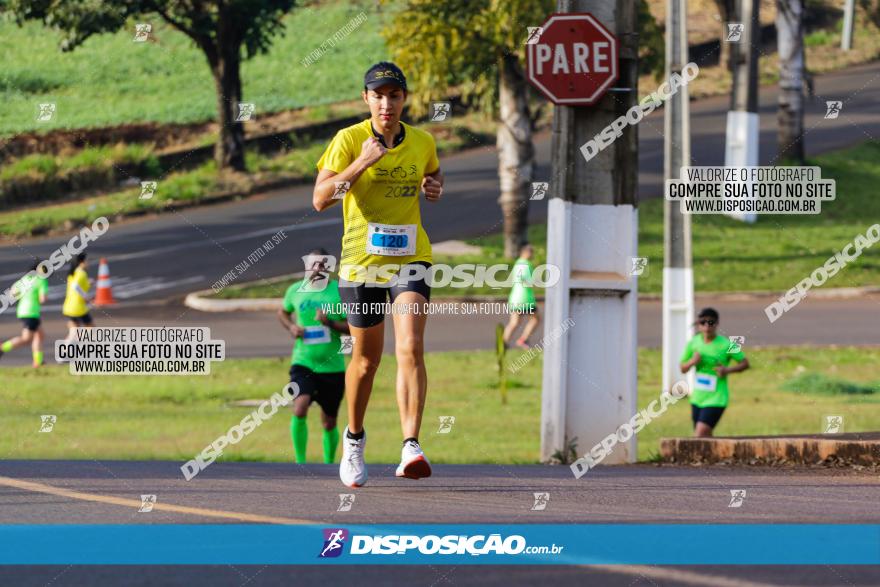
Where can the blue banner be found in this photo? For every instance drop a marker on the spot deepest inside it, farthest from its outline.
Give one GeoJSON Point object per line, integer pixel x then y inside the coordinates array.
{"type": "Point", "coordinates": [454, 544]}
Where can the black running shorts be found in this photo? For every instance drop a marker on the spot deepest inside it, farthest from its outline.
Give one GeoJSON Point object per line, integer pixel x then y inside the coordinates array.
{"type": "Point", "coordinates": [32, 324]}
{"type": "Point", "coordinates": [84, 320]}
{"type": "Point", "coordinates": [708, 416]}
{"type": "Point", "coordinates": [364, 304]}
{"type": "Point", "coordinates": [325, 388]}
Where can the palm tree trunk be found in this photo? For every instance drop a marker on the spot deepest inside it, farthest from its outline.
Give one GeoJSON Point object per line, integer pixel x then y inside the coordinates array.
{"type": "Point", "coordinates": [790, 32]}
{"type": "Point", "coordinates": [516, 154]}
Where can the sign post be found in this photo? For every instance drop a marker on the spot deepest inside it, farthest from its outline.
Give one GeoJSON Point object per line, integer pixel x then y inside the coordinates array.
{"type": "Point", "coordinates": [574, 61]}
{"type": "Point", "coordinates": [589, 379]}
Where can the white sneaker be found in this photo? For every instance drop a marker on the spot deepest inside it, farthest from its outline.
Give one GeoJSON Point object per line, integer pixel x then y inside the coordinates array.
{"type": "Point", "coordinates": [413, 462]}
{"type": "Point", "coordinates": [352, 469]}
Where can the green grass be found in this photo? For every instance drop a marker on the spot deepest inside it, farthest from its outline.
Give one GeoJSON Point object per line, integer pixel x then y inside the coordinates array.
{"type": "Point", "coordinates": [53, 176]}
{"type": "Point", "coordinates": [111, 80]}
{"type": "Point", "coordinates": [779, 250]}
{"type": "Point", "coordinates": [199, 185]}
{"type": "Point", "coordinates": [818, 38]}
{"type": "Point", "coordinates": [298, 162]}
{"type": "Point", "coordinates": [42, 165]}
{"type": "Point", "coordinates": [773, 254]}
{"type": "Point", "coordinates": [166, 417]}
{"type": "Point", "coordinates": [816, 383]}
{"type": "Point", "coordinates": [196, 185]}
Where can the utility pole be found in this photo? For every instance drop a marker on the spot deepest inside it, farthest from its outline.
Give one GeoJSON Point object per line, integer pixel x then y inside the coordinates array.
{"type": "Point", "coordinates": [678, 273]}
{"type": "Point", "coordinates": [849, 13]}
{"type": "Point", "coordinates": [589, 379]}
{"type": "Point", "coordinates": [743, 122]}
{"type": "Point", "coordinates": [790, 115]}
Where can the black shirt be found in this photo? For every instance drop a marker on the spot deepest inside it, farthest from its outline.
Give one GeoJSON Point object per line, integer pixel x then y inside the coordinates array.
{"type": "Point", "coordinates": [397, 139]}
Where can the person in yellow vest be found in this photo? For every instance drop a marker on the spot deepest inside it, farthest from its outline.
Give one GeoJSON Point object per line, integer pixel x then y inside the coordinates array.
{"type": "Point", "coordinates": [75, 307]}
{"type": "Point", "coordinates": [30, 291]}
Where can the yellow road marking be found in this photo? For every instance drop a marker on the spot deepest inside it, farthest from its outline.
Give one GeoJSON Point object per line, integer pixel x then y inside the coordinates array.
{"type": "Point", "coordinates": [122, 501]}
{"type": "Point", "coordinates": [683, 576]}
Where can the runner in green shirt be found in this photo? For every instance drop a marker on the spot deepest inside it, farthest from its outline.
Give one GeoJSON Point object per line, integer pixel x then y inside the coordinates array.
{"type": "Point", "coordinates": [31, 291]}
{"type": "Point", "coordinates": [317, 362]}
{"type": "Point", "coordinates": [522, 299]}
{"type": "Point", "coordinates": [711, 353]}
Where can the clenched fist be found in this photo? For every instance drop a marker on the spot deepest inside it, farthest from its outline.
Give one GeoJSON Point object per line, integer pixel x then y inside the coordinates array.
{"type": "Point", "coordinates": [432, 188]}
{"type": "Point", "coordinates": [371, 151]}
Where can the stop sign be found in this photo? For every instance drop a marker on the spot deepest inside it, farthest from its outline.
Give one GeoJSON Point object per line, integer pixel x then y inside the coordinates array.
{"type": "Point", "coordinates": [574, 60]}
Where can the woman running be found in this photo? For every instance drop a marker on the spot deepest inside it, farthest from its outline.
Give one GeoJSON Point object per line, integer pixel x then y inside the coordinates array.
{"type": "Point", "coordinates": [75, 307]}
{"type": "Point", "coordinates": [378, 167]}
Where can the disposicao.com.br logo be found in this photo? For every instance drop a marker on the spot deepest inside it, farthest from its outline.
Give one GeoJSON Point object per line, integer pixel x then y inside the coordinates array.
{"type": "Point", "coordinates": [334, 541]}
{"type": "Point", "coordinates": [451, 544]}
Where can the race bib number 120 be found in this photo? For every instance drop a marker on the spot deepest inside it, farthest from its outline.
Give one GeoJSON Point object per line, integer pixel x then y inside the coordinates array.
{"type": "Point", "coordinates": [394, 240]}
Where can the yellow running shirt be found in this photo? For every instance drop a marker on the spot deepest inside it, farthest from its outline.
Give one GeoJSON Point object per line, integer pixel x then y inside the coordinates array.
{"type": "Point", "coordinates": [74, 304]}
{"type": "Point", "coordinates": [382, 220]}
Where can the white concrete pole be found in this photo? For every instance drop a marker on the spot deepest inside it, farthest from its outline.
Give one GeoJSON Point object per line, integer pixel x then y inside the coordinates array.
{"type": "Point", "coordinates": [743, 122]}
{"type": "Point", "coordinates": [678, 273]}
{"type": "Point", "coordinates": [589, 380]}
{"type": "Point", "coordinates": [849, 13]}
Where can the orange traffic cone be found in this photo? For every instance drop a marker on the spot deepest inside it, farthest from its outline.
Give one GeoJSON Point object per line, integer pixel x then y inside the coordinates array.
{"type": "Point", "coordinates": [104, 291]}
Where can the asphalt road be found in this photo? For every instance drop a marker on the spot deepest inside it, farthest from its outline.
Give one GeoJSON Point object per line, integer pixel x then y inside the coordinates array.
{"type": "Point", "coordinates": [287, 493]}
{"type": "Point", "coordinates": [169, 255]}
{"type": "Point", "coordinates": [814, 321]}
{"type": "Point", "coordinates": [175, 253]}
{"type": "Point", "coordinates": [436, 575]}
{"type": "Point", "coordinates": [290, 493]}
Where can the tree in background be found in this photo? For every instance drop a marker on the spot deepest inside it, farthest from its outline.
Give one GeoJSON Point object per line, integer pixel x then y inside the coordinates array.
{"type": "Point", "coordinates": [478, 47]}
{"type": "Point", "coordinates": [727, 11]}
{"type": "Point", "coordinates": [872, 10]}
{"type": "Point", "coordinates": [790, 34]}
{"type": "Point", "coordinates": [220, 28]}
{"type": "Point", "coordinates": [652, 43]}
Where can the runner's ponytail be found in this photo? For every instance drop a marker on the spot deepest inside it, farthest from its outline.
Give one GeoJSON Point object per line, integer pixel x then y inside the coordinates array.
{"type": "Point", "coordinates": [77, 261]}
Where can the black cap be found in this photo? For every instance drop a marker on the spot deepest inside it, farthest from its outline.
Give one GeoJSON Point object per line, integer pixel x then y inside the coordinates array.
{"type": "Point", "coordinates": [708, 313]}
{"type": "Point", "coordinates": [384, 73]}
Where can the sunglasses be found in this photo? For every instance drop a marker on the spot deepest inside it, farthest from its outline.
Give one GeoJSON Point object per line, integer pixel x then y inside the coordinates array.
{"type": "Point", "coordinates": [708, 322]}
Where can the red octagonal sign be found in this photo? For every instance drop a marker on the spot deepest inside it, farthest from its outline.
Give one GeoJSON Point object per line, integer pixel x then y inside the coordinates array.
{"type": "Point", "coordinates": [574, 59]}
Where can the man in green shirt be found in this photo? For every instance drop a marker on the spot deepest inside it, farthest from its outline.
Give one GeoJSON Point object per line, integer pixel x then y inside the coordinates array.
{"type": "Point", "coordinates": [522, 299]}
{"type": "Point", "coordinates": [31, 291]}
{"type": "Point", "coordinates": [711, 353]}
{"type": "Point", "coordinates": [317, 363]}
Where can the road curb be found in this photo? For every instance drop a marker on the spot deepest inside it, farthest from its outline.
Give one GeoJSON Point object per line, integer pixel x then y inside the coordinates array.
{"type": "Point", "coordinates": [857, 449]}
{"type": "Point", "coordinates": [198, 301]}
{"type": "Point", "coordinates": [201, 300]}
